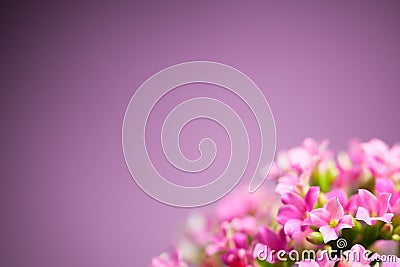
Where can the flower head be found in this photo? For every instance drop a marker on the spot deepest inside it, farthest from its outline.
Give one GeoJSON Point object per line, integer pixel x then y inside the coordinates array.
{"type": "Point", "coordinates": [372, 209]}
{"type": "Point", "coordinates": [331, 219]}
{"type": "Point", "coordinates": [295, 210]}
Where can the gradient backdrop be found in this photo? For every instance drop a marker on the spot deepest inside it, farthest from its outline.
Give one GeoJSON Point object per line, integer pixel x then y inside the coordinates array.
{"type": "Point", "coordinates": [328, 69]}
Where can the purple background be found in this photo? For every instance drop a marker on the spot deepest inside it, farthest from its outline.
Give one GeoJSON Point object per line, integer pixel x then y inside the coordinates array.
{"type": "Point", "coordinates": [67, 199]}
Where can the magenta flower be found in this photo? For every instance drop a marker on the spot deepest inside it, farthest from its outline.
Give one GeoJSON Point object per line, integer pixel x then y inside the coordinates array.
{"type": "Point", "coordinates": [233, 242]}
{"type": "Point", "coordinates": [372, 209]}
{"type": "Point", "coordinates": [274, 241]}
{"type": "Point", "coordinates": [331, 219]}
{"type": "Point", "coordinates": [239, 255]}
{"type": "Point", "coordinates": [295, 210]}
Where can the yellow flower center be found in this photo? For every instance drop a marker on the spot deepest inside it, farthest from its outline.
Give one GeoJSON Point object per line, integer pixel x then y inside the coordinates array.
{"type": "Point", "coordinates": [333, 223]}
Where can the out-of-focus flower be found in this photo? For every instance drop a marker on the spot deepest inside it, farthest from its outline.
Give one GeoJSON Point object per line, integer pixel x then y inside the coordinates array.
{"type": "Point", "coordinates": [305, 157]}
{"type": "Point", "coordinates": [239, 254]}
{"type": "Point", "coordinates": [232, 242]}
{"type": "Point", "coordinates": [166, 260]}
{"type": "Point", "coordinates": [292, 182]}
{"type": "Point", "coordinates": [271, 239]}
{"type": "Point", "coordinates": [376, 155]}
{"type": "Point", "coordinates": [349, 172]}
{"type": "Point", "coordinates": [372, 209]}
{"type": "Point", "coordinates": [240, 203]}
{"type": "Point", "coordinates": [331, 219]}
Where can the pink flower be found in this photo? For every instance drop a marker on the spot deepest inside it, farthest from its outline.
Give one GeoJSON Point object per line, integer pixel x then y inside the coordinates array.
{"type": "Point", "coordinates": [239, 255]}
{"type": "Point", "coordinates": [349, 173]}
{"type": "Point", "coordinates": [372, 209]}
{"type": "Point", "coordinates": [386, 185]}
{"type": "Point", "coordinates": [166, 260]}
{"type": "Point", "coordinates": [292, 182]}
{"type": "Point", "coordinates": [349, 204]}
{"type": "Point", "coordinates": [274, 241]}
{"type": "Point", "coordinates": [295, 210]}
{"type": "Point", "coordinates": [232, 242]}
{"type": "Point", "coordinates": [376, 155]}
{"type": "Point", "coordinates": [331, 219]}
{"type": "Point", "coordinates": [240, 203]}
{"type": "Point", "coordinates": [305, 157]}
{"type": "Point", "coordinates": [238, 258]}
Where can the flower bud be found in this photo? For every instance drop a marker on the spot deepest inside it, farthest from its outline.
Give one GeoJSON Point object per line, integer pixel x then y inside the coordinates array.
{"type": "Point", "coordinates": [397, 230]}
{"type": "Point", "coordinates": [322, 199]}
{"type": "Point", "coordinates": [315, 238]}
{"type": "Point", "coordinates": [386, 231]}
{"type": "Point", "coordinates": [396, 237]}
{"type": "Point", "coordinates": [357, 225]}
{"type": "Point", "coordinates": [396, 220]}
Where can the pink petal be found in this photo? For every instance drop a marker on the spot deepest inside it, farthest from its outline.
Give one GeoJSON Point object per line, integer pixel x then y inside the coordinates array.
{"type": "Point", "coordinates": [383, 203]}
{"type": "Point", "coordinates": [312, 197]}
{"type": "Point", "coordinates": [214, 248]}
{"type": "Point", "coordinates": [363, 215]}
{"type": "Point", "coordinates": [319, 217]}
{"type": "Point", "coordinates": [340, 194]}
{"type": "Point", "coordinates": [292, 227]}
{"type": "Point", "coordinates": [345, 222]}
{"type": "Point", "coordinates": [328, 233]}
{"type": "Point", "coordinates": [271, 239]}
{"type": "Point", "coordinates": [335, 209]}
{"type": "Point", "coordinates": [287, 213]}
{"type": "Point", "coordinates": [367, 200]}
{"type": "Point", "coordinates": [387, 218]}
{"type": "Point", "coordinates": [352, 205]}
{"type": "Point", "coordinates": [396, 207]}
{"type": "Point", "coordinates": [294, 199]}
{"type": "Point", "coordinates": [384, 185]}
{"type": "Point", "coordinates": [240, 240]}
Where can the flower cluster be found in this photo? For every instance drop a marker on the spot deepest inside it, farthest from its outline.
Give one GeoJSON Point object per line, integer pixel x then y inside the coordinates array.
{"type": "Point", "coordinates": [317, 198]}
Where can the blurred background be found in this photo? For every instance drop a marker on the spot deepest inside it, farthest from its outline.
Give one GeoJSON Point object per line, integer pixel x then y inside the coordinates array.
{"type": "Point", "coordinates": [328, 70]}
